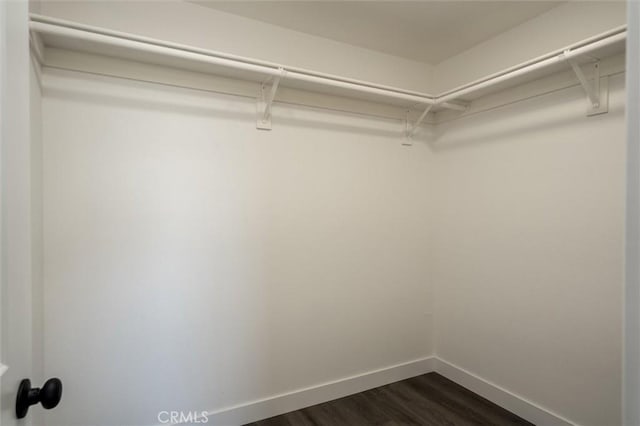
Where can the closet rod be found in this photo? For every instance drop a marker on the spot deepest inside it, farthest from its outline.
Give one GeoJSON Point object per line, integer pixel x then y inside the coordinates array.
{"type": "Point", "coordinates": [583, 48]}
{"type": "Point", "coordinates": [56, 27]}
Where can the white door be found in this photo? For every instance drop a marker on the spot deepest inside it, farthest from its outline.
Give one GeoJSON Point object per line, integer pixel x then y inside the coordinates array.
{"type": "Point", "coordinates": [17, 266]}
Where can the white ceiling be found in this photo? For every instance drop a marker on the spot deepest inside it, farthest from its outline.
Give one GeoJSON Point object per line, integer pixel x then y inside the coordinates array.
{"type": "Point", "coordinates": [427, 31]}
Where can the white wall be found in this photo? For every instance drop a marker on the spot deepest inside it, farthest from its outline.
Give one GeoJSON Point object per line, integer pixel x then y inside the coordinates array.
{"type": "Point", "coordinates": [194, 263]}
{"type": "Point", "coordinates": [196, 25]}
{"type": "Point", "coordinates": [528, 227]}
{"type": "Point", "coordinates": [219, 265]}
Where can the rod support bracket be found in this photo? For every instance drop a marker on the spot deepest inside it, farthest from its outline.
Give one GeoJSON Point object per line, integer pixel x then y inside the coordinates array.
{"type": "Point", "coordinates": [408, 135]}
{"type": "Point", "coordinates": [597, 90]}
{"type": "Point", "coordinates": [265, 100]}
{"type": "Point", "coordinates": [412, 129]}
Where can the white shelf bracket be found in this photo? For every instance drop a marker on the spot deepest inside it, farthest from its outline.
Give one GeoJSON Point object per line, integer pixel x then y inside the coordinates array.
{"type": "Point", "coordinates": [412, 129]}
{"type": "Point", "coordinates": [597, 93]}
{"type": "Point", "coordinates": [265, 101]}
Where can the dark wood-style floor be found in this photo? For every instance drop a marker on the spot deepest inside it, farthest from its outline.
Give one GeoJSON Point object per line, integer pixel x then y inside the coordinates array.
{"type": "Point", "coordinates": [425, 400]}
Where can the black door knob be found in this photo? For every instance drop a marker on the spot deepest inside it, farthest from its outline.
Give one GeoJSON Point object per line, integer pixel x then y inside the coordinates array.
{"type": "Point", "coordinates": [49, 395]}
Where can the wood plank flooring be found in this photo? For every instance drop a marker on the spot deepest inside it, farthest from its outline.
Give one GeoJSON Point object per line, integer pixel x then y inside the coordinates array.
{"type": "Point", "coordinates": [427, 400]}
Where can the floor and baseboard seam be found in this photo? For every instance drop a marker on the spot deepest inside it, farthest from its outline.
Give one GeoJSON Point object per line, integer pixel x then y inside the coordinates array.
{"type": "Point", "coordinates": [297, 399]}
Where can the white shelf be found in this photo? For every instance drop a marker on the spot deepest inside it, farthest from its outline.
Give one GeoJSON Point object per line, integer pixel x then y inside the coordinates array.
{"type": "Point", "coordinates": [54, 33]}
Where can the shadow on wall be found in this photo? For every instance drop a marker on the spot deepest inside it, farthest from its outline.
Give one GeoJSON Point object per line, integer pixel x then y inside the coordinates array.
{"type": "Point", "coordinates": [146, 101]}
{"type": "Point", "coordinates": [363, 128]}
{"type": "Point", "coordinates": [532, 116]}
{"type": "Point", "coordinates": [220, 105]}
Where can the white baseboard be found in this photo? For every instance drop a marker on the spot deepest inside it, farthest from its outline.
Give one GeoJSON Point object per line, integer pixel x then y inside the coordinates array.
{"type": "Point", "coordinates": [500, 396]}
{"type": "Point", "coordinates": [295, 400]}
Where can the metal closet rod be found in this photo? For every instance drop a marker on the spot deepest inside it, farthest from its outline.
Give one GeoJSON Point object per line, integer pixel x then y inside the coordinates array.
{"type": "Point", "coordinates": [47, 25]}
